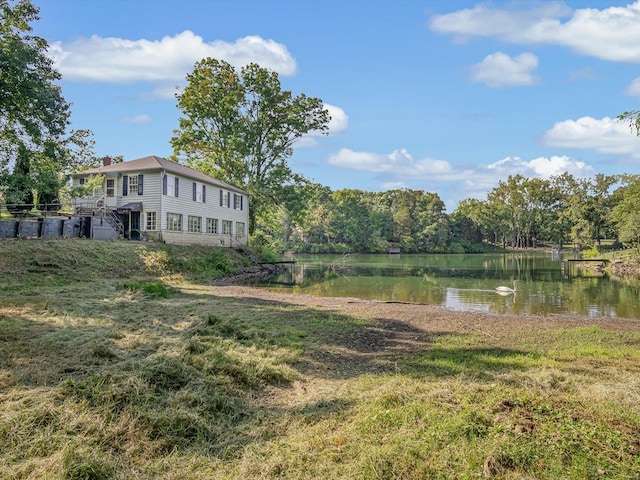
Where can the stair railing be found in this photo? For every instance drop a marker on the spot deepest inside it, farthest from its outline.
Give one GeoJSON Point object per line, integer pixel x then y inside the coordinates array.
{"type": "Point", "coordinates": [115, 222]}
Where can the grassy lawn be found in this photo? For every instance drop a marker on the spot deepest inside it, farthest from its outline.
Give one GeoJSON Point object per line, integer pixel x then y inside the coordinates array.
{"type": "Point", "coordinates": [118, 360]}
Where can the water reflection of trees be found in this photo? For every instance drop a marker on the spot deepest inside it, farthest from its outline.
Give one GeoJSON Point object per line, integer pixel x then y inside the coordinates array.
{"type": "Point", "coordinates": [426, 279]}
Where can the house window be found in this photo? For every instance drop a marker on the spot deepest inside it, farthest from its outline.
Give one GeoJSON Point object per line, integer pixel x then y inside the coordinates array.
{"type": "Point", "coordinates": [239, 229]}
{"type": "Point", "coordinates": [133, 185]}
{"type": "Point", "coordinates": [170, 185]}
{"type": "Point", "coordinates": [224, 199]}
{"type": "Point", "coordinates": [174, 222]}
{"type": "Point", "coordinates": [237, 202]}
{"type": "Point", "coordinates": [82, 181]}
{"type": "Point", "coordinates": [212, 225]}
{"type": "Point", "coordinates": [151, 221]}
{"type": "Point", "coordinates": [111, 187]}
{"type": "Point", "coordinates": [195, 224]}
{"type": "Point", "coordinates": [198, 192]}
{"type": "Point", "coordinates": [226, 227]}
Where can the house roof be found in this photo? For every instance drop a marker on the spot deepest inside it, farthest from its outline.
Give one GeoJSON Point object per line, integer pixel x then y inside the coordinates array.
{"type": "Point", "coordinates": [157, 163]}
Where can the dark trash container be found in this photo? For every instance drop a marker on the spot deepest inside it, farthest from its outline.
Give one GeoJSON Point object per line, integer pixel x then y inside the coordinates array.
{"type": "Point", "coordinates": [29, 229]}
{"type": "Point", "coordinates": [8, 228]}
{"type": "Point", "coordinates": [52, 227]}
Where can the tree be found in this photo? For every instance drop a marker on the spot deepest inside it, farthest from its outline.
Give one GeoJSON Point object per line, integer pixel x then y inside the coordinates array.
{"type": "Point", "coordinates": [588, 208]}
{"type": "Point", "coordinates": [314, 219]}
{"type": "Point", "coordinates": [349, 223]}
{"type": "Point", "coordinates": [509, 200]}
{"type": "Point", "coordinates": [35, 150]}
{"type": "Point", "coordinates": [472, 221]}
{"type": "Point", "coordinates": [32, 110]}
{"type": "Point", "coordinates": [241, 128]}
{"type": "Point", "coordinates": [625, 213]}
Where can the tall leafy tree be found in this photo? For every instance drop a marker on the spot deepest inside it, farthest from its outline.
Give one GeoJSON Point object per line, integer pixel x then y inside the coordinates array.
{"type": "Point", "coordinates": [589, 206]}
{"type": "Point", "coordinates": [32, 109]}
{"type": "Point", "coordinates": [319, 210]}
{"type": "Point", "coordinates": [473, 221]}
{"type": "Point", "coordinates": [241, 127]}
{"type": "Point", "coordinates": [35, 148]}
{"type": "Point", "coordinates": [350, 221]}
{"type": "Point", "coordinates": [626, 215]}
{"type": "Point", "coordinates": [509, 198]}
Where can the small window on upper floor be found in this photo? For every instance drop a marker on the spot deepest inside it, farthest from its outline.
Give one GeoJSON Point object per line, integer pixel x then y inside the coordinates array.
{"type": "Point", "coordinates": [170, 185]}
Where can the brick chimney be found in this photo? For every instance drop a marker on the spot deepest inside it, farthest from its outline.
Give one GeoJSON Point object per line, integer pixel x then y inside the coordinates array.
{"type": "Point", "coordinates": [106, 161]}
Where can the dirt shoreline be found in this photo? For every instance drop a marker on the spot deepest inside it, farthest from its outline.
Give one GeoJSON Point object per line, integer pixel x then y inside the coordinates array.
{"type": "Point", "coordinates": [393, 332]}
{"type": "Point", "coordinates": [426, 317]}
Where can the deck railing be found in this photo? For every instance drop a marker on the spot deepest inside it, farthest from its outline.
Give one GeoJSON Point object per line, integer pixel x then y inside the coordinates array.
{"type": "Point", "coordinates": [94, 203]}
{"type": "Point", "coordinates": [34, 210]}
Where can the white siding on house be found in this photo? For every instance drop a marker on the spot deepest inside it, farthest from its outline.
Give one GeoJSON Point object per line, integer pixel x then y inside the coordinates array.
{"type": "Point", "coordinates": [209, 209]}
{"type": "Point", "coordinates": [153, 199]}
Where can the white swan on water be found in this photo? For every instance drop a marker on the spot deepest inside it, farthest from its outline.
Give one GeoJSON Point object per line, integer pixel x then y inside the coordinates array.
{"type": "Point", "coordinates": [503, 289]}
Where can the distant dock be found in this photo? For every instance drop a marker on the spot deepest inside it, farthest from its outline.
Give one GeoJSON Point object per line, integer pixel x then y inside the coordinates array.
{"type": "Point", "coordinates": [279, 262]}
{"type": "Point", "coordinates": [569, 262]}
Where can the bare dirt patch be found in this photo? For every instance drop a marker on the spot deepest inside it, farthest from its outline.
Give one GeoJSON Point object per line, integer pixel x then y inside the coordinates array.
{"type": "Point", "coordinates": [394, 331]}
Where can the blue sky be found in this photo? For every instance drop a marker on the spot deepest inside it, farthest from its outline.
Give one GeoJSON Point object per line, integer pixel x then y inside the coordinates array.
{"type": "Point", "coordinates": [445, 96]}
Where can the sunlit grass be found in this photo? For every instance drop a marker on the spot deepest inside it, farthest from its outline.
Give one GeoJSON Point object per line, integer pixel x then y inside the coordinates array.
{"type": "Point", "coordinates": [102, 379]}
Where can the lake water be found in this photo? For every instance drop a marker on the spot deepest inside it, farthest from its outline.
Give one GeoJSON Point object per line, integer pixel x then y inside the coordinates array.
{"type": "Point", "coordinates": [546, 283]}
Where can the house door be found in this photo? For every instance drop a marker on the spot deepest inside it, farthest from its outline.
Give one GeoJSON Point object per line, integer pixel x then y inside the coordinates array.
{"type": "Point", "coordinates": [131, 222]}
{"type": "Point", "coordinates": [135, 226]}
{"type": "Point", "coordinates": [110, 193]}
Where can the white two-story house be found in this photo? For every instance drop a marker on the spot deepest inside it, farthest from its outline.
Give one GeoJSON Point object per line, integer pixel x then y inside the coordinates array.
{"type": "Point", "coordinates": [164, 201]}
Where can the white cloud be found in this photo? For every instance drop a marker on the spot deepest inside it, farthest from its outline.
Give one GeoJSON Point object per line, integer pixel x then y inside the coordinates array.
{"type": "Point", "coordinates": [501, 70]}
{"type": "Point", "coordinates": [611, 33]}
{"type": "Point", "coordinates": [136, 119]}
{"type": "Point", "coordinates": [118, 60]}
{"type": "Point", "coordinates": [339, 119]}
{"type": "Point", "coordinates": [633, 89]}
{"type": "Point", "coordinates": [399, 170]}
{"type": "Point", "coordinates": [605, 135]}
{"type": "Point", "coordinates": [487, 22]}
{"type": "Point", "coordinates": [339, 123]}
{"type": "Point", "coordinates": [399, 162]}
{"type": "Point", "coordinates": [541, 167]}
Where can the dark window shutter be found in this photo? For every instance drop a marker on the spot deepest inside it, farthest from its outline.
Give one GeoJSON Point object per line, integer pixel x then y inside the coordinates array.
{"type": "Point", "coordinates": [228, 199]}
{"type": "Point", "coordinates": [241, 202]}
{"type": "Point", "coordinates": [164, 185]}
{"type": "Point", "coordinates": [235, 199]}
{"type": "Point", "coordinates": [221, 193]}
{"type": "Point", "coordinates": [140, 182]}
{"type": "Point", "coordinates": [204, 191]}
{"type": "Point", "coordinates": [176, 191]}
{"type": "Point", "coordinates": [195, 192]}
{"type": "Point", "coordinates": [125, 185]}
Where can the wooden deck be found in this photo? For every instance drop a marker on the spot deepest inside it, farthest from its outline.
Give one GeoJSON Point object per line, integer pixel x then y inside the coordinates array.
{"type": "Point", "coordinates": [584, 260]}
{"type": "Point", "coordinates": [279, 262]}
{"type": "Point", "coordinates": [568, 263]}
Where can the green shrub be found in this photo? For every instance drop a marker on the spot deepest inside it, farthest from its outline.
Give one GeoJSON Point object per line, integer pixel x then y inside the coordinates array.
{"type": "Point", "coordinates": [151, 289]}
{"type": "Point", "coordinates": [215, 263]}
{"type": "Point", "coordinates": [456, 247]}
{"type": "Point", "coordinates": [592, 252]}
